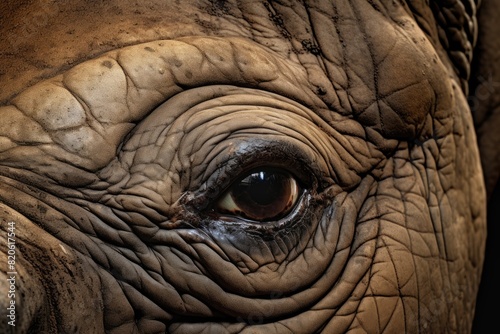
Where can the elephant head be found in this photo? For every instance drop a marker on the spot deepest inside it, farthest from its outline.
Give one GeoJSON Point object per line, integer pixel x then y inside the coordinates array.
{"type": "Point", "coordinates": [239, 167]}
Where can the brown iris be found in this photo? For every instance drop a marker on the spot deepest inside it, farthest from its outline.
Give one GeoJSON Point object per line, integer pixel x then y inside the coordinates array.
{"type": "Point", "coordinates": [261, 195]}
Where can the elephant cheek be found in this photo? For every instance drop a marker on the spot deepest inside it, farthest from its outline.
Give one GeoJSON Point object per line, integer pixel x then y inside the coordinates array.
{"type": "Point", "coordinates": [49, 275]}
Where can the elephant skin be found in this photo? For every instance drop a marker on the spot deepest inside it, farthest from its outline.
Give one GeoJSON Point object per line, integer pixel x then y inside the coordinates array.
{"type": "Point", "coordinates": [129, 132]}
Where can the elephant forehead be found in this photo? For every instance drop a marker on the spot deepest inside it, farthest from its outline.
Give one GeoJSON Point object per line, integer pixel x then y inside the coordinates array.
{"type": "Point", "coordinates": [386, 71]}
{"type": "Point", "coordinates": [88, 110]}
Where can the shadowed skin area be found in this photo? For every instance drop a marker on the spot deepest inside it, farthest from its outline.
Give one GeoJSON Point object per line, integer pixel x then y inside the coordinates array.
{"type": "Point", "coordinates": [121, 133]}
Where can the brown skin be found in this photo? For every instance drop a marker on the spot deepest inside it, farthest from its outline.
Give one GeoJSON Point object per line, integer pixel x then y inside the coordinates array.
{"type": "Point", "coordinates": [63, 34]}
{"type": "Point", "coordinates": [370, 160]}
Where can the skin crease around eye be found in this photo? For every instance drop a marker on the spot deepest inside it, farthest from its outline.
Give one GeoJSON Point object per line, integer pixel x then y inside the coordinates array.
{"type": "Point", "coordinates": [261, 195]}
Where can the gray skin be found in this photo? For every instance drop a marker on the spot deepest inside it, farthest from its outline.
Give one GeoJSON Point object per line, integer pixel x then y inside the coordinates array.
{"type": "Point", "coordinates": [124, 126]}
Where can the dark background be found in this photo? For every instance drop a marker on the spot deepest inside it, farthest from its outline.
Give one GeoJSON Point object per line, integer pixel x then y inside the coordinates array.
{"type": "Point", "coordinates": [487, 315]}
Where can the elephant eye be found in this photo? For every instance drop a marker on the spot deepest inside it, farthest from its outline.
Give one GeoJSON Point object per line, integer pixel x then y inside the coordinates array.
{"type": "Point", "coordinates": [261, 195]}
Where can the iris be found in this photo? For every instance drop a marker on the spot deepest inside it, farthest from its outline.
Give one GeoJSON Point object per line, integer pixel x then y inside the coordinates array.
{"type": "Point", "coordinates": [261, 195]}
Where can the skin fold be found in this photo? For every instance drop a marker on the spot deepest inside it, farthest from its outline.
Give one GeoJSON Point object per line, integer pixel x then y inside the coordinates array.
{"type": "Point", "coordinates": [124, 125]}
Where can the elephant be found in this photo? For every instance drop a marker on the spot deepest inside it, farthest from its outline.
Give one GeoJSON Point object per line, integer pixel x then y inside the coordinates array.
{"type": "Point", "coordinates": [222, 166]}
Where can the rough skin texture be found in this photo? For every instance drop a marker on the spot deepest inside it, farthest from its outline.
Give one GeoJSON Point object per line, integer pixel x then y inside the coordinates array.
{"type": "Point", "coordinates": [116, 146]}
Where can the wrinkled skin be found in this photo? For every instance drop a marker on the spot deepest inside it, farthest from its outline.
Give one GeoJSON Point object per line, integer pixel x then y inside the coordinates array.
{"type": "Point", "coordinates": [120, 134]}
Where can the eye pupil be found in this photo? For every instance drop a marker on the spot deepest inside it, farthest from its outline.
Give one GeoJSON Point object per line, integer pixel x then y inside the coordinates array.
{"type": "Point", "coordinates": [262, 188]}
{"type": "Point", "coordinates": [262, 195]}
